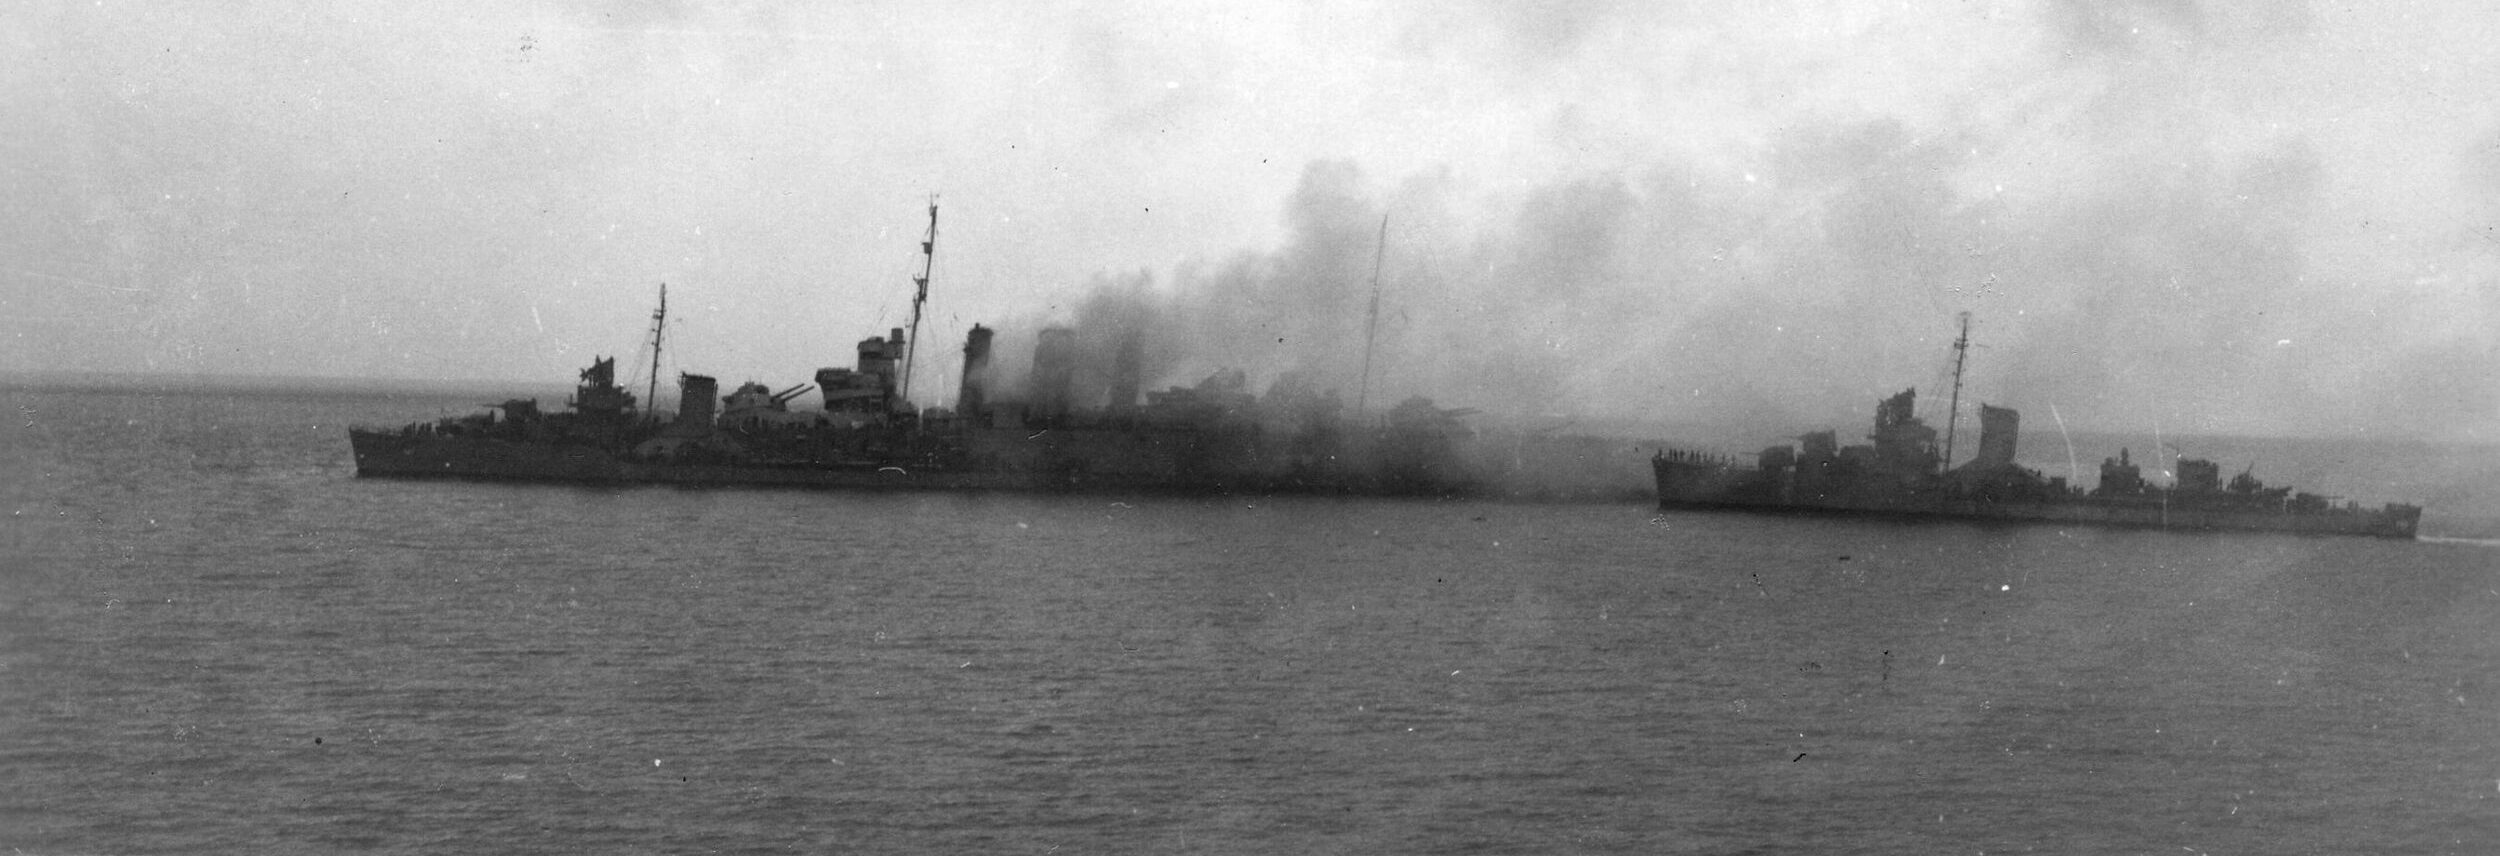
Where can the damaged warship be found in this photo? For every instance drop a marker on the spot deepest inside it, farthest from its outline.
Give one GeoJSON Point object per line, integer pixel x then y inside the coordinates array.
{"type": "Point", "coordinates": [1214, 437]}
{"type": "Point", "coordinates": [1901, 473]}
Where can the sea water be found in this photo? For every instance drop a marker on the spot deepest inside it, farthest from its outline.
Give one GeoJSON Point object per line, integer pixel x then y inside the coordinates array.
{"type": "Point", "coordinates": [214, 638]}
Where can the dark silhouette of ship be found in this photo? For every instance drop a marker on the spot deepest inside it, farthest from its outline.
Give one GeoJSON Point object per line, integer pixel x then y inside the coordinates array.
{"type": "Point", "coordinates": [1902, 473]}
{"type": "Point", "coordinates": [1214, 436]}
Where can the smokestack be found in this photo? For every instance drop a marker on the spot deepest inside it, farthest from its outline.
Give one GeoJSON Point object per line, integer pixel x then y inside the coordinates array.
{"type": "Point", "coordinates": [1054, 370]}
{"type": "Point", "coordinates": [973, 398]}
{"type": "Point", "coordinates": [697, 398]}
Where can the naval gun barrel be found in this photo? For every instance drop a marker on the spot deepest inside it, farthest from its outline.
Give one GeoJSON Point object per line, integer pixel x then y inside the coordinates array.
{"type": "Point", "coordinates": [784, 396]}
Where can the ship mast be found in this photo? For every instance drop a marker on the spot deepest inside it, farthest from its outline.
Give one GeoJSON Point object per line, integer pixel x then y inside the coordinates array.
{"type": "Point", "coordinates": [659, 320]}
{"type": "Point", "coordinates": [1953, 415]}
{"type": "Point", "coordinates": [1371, 327]}
{"type": "Point", "coordinates": [928, 260]}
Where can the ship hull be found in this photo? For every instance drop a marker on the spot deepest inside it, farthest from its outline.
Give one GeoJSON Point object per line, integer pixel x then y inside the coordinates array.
{"type": "Point", "coordinates": [1006, 461]}
{"type": "Point", "coordinates": [1686, 486]}
{"type": "Point", "coordinates": [389, 455]}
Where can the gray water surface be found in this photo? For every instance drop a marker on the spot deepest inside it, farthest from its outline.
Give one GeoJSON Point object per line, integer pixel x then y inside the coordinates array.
{"type": "Point", "coordinates": [214, 639]}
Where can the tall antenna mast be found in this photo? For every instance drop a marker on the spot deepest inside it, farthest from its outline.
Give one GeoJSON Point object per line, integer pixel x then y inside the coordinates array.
{"type": "Point", "coordinates": [659, 320]}
{"type": "Point", "coordinates": [1371, 327]}
{"type": "Point", "coordinates": [1952, 418]}
{"type": "Point", "coordinates": [928, 260]}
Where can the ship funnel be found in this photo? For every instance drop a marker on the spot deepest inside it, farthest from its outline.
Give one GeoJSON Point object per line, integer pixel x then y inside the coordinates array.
{"type": "Point", "coordinates": [973, 396]}
{"type": "Point", "coordinates": [697, 396]}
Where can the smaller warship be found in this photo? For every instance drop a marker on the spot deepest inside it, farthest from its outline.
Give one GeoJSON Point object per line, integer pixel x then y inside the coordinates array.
{"type": "Point", "coordinates": [1055, 434]}
{"type": "Point", "coordinates": [1901, 472]}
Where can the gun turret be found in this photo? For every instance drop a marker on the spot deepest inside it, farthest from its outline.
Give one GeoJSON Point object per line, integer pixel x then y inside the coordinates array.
{"type": "Point", "coordinates": [784, 396]}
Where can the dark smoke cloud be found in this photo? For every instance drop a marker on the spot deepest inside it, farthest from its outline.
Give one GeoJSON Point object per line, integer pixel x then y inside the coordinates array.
{"type": "Point", "coordinates": [2150, 269]}
{"type": "Point", "coordinates": [2163, 288]}
{"type": "Point", "coordinates": [1656, 296]}
{"type": "Point", "coordinates": [1301, 310]}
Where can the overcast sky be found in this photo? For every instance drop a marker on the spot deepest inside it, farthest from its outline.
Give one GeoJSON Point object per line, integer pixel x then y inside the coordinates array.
{"type": "Point", "coordinates": [2246, 217]}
